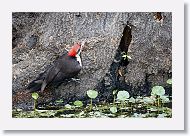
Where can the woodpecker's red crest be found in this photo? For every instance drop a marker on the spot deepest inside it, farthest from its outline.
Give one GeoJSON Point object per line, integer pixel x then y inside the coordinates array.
{"type": "Point", "coordinates": [74, 50]}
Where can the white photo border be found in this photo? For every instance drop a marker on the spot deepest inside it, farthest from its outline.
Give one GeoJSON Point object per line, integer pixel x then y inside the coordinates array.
{"type": "Point", "coordinates": [174, 123]}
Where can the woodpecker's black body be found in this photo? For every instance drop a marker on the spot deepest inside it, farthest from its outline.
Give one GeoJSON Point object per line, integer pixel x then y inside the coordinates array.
{"type": "Point", "coordinates": [65, 67]}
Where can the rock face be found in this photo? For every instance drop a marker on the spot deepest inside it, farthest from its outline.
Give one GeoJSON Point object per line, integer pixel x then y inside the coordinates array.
{"type": "Point", "coordinates": [151, 47]}
{"type": "Point", "coordinates": [39, 38]}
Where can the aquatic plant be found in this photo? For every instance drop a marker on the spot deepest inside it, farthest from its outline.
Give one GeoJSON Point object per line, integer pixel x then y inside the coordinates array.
{"type": "Point", "coordinates": [169, 81]}
{"type": "Point", "coordinates": [122, 95]}
{"type": "Point", "coordinates": [78, 103]}
{"type": "Point", "coordinates": [92, 94]}
{"type": "Point", "coordinates": [113, 109]}
{"type": "Point", "coordinates": [68, 106]}
{"type": "Point", "coordinates": [155, 105]}
{"type": "Point", "coordinates": [132, 100]}
{"type": "Point", "coordinates": [158, 90]}
{"type": "Point", "coordinates": [114, 93]}
{"type": "Point", "coordinates": [35, 97]}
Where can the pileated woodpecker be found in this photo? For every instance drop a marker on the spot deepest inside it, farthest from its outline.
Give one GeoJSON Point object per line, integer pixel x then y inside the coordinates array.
{"type": "Point", "coordinates": [67, 66]}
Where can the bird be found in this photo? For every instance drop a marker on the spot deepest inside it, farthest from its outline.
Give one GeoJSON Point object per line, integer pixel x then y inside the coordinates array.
{"type": "Point", "coordinates": [65, 67]}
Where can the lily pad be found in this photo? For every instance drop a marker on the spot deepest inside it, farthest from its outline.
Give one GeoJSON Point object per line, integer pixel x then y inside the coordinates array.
{"type": "Point", "coordinates": [158, 90]}
{"type": "Point", "coordinates": [78, 103]}
{"type": "Point", "coordinates": [122, 95]}
{"type": "Point", "coordinates": [148, 100]}
{"type": "Point", "coordinates": [132, 100]}
{"type": "Point", "coordinates": [92, 94]}
{"type": "Point", "coordinates": [68, 106]}
{"type": "Point", "coordinates": [163, 115]}
{"type": "Point", "coordinates": [169, 81]}
{"type": "Point", "coordinates": [165, 99]}
{"type": "Point", "coordinates": [113, 109]}
{"type": "Point", "coordinates": [35, 96]}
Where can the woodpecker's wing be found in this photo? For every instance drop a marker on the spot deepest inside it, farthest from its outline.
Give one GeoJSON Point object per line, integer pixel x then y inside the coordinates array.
{"type": "Point", "coordinates": [36, 84]}
{"type": "Point", "coordinates": [63, 68]}
{"type": "Point", "coordinates": [53, 72]}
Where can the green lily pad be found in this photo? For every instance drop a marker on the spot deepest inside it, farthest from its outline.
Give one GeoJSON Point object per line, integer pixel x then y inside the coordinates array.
{"type": "Point", "coordinates": [113, 109]}
{"type": "Point", "coordinates": [169, 81]}
{"type": "Point", "coordinates": [148, 100]}
{"type": "Point", "coordinates": [163, 115]}
{"type": "Point", "coordinates": [158, 90]}
{"type": "Point", "coordinates": [78, 103]}
{"type": "Point", "coordinates": [165, 99]}
{"type": "Point", "coordinates": [68, 106]}
{"type": "Point", "coordinates": [35, 96]}
{"type": "Point", "coordinates": [153, 109]}
{"type": "Point", "coordinates": [132, 100]}
{"type": "Point", "coordinates": [92, 94]}
{"type": "Point", "coordinates": [122, 95]}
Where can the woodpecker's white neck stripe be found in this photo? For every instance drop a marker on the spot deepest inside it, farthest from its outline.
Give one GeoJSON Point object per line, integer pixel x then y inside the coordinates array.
{"type": "Point", "coordinates": [79, 60]}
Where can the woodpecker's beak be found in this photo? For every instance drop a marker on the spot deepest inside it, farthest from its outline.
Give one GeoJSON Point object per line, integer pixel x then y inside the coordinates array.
{"type": "Point", "coordinates": [82, 45]}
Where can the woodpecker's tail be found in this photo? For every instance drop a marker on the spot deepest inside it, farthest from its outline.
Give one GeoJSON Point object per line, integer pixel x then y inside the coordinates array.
{"type": "Point", "coordinates": [36, 84]}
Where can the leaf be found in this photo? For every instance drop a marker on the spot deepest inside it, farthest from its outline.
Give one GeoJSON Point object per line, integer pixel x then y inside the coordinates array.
{"type": "Point", "coordinates": [169, 81]}
{"type": "Point", "coordinates": [114, 92]}
{"type": "Point", "coordinates": [78, 103]}
{"type": "Point", "coordinates": [97, 114]}
{"type": "Point", "coordinates": [92, 94]}
{"type": "Point", "coordinates": [81, 113]}
{"type": "Point", "coordinates": [132, 100]}
{"type": "Point", "coordinates": [129, 57]}
{"type": "Point", "coordinates": [113, 109]}
{"type": "Point", "coordinates": [163, 115]}
{"type": "Point", "coordinates": [59, 101]}
{"type": "Point", "coordinates": [122, 95]}
{"type": "Point", "coordinates": [68, 106]}
{"type": "Point", "coordinates": [165, 99]}
{"type": "Point", "coordinates": [148, 100]}
{"type": "Point", "coordinates": [124, 57]}
{"type": "Point", "coordinates": [19, 110]}
{"type": "Point", "coordinates": [35, 96]}
{"type": "Point", "coordinates": [158, 90]}
{"type": "Point", "coordinates": [153, 109]}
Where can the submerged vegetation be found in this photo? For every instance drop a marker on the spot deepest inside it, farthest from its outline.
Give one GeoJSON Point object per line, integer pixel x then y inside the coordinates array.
{"type": "Point", "coordinates": [157, 105]}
